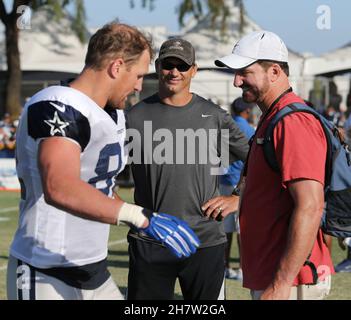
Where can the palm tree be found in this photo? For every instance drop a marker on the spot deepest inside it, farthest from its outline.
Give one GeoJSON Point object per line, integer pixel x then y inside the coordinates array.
{"type": "Point", "coordinates": [218, 9]}
{"type": "Point", "coordinates": [12, 22]}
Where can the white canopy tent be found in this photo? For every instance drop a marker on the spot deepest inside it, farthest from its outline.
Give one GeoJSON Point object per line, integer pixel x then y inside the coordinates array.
{"type": "Point", "coordinates": [51, 46]}
{"type": "Point", "coordinates": [333, 62]}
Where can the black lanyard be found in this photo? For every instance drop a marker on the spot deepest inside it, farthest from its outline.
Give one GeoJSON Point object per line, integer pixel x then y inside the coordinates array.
{"type": "Point", "coordinates": [260, 124]}
{"type": "Point", "coordinates": [269, 111]}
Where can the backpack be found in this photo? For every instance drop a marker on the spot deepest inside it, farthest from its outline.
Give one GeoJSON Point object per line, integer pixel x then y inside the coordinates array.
{"type": "Point", "coordinates": [336, 220]}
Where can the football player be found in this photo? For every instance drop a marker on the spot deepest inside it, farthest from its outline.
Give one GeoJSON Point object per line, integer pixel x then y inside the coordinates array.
{"type": "Point", "coordinates": [69, 150]}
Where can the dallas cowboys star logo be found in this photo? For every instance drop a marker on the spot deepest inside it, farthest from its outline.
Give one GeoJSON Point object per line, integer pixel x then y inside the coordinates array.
{"type": "Point", "coordinates": [57, 125]}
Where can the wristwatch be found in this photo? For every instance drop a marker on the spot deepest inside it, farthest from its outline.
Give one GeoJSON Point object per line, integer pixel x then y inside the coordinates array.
{"type": "Point", "coordinates": [236, 191]}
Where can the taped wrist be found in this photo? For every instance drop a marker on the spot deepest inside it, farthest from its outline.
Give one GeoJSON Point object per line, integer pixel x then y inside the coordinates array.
{"type": "Point", "coordinates": [131, 214]}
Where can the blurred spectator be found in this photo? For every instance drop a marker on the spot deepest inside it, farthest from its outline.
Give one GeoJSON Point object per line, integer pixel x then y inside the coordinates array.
{"type": "Point", "coordinates": [334, 97]}
{"type": "Point", "coordinates": [7, 137]}
{"type": "Point", "coordinates": [2, 143]}
{"type": "Point", "coordinates": [6, 122]}
{"type": "Point", "coordinates": [241, 113]}
{"type": "Point", "coordinates": [334, 116]}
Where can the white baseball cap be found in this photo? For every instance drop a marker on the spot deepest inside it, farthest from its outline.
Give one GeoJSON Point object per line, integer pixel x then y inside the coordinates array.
{"type": "Point", "coordinates": [258, 45]}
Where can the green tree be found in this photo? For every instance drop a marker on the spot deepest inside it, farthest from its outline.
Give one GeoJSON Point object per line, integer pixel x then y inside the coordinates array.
{"type": "Point", "coordinates": [217, 9]}
{"type": "Point", "coordinates": [12, 21]}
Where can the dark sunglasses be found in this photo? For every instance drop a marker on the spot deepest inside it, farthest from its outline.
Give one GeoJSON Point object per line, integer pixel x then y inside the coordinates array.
{"type": "Point", "coordinates": [182, 67]}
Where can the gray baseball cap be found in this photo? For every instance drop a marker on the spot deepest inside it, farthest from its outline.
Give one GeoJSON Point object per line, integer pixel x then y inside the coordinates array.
{"type": "Point", "coordinates": [177, 48]}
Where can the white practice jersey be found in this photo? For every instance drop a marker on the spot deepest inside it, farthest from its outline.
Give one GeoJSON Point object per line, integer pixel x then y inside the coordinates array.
{"type": "Point", "coordinates": [47, 236]}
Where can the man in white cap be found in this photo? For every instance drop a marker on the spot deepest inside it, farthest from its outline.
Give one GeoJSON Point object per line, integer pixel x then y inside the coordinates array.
{"type": "Point", "coordinates": [283, 253]}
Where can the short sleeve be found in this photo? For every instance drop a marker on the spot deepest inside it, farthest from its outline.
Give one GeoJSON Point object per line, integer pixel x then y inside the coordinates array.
{"type": "Point", "coordinates": [301, 148]}
{"type": "Point", "coordinates": [53, 118]}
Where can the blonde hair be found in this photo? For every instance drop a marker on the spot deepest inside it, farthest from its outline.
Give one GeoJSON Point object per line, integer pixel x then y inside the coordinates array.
{"type": "Point", "coordinates": [116, 40]}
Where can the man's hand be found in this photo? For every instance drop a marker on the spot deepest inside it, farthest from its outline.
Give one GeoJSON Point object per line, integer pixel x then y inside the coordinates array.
{"type": "Point", "coordinates": [276, 292]}
{"type": "Point", "coordinates": [174, 233]}
{"type": "Point", "coordinates": [220, 207]}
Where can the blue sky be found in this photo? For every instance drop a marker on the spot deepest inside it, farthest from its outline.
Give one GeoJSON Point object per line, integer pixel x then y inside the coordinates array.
{"type": "Point", "coordinates": [295, 21]}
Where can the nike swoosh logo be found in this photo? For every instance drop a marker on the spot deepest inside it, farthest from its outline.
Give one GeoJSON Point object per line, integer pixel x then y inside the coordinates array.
{"type": "Point", "coordinates": [59, 108]}
{"type": "Point", "coordinates": [206, 115]}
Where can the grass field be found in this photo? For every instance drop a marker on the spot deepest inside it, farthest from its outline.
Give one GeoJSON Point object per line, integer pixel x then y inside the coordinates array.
{"type": "Point", "coordinates": [118, 254]}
